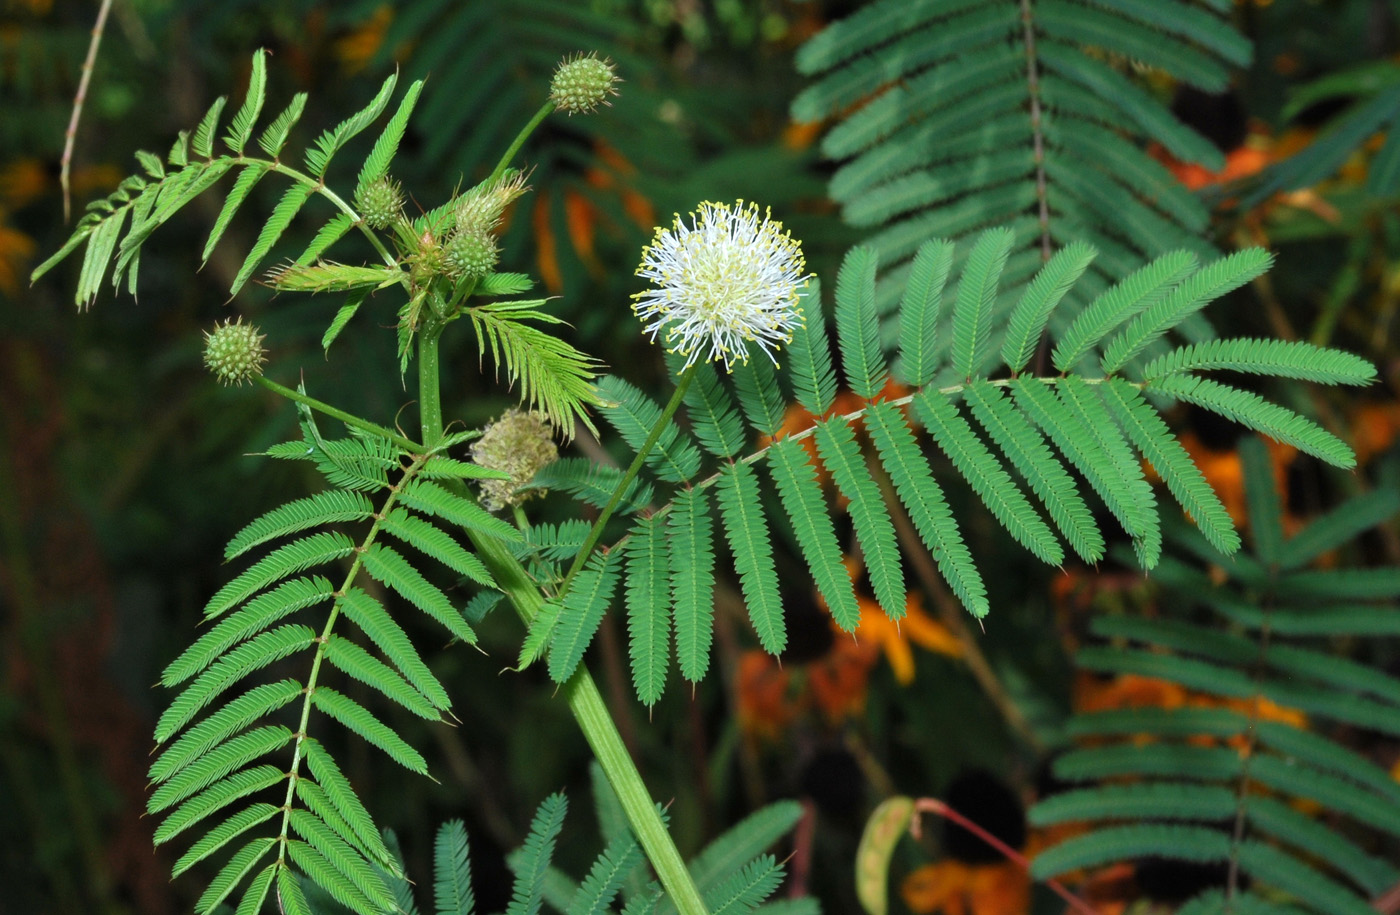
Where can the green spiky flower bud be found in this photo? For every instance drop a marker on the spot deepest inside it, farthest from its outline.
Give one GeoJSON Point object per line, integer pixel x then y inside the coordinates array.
{"type": "Point", "coordinates": [233, 352]}
{"type": "Point", "coordinates": [380, 202]}
{"type": "Point", "coordinates": [481, 208]}
{"type": "Point", "coordinates": [471, 254]}
{"type": "Point", "coordinates": [520, 444]}
{"type": "Point", "coordinates": [582, 83]}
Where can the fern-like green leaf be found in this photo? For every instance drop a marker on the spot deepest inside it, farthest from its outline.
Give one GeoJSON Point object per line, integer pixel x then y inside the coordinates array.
{"type": "Point", "coordinates": [330, 233]}
{"type": "Point", "coordinates": [247, 180]}
{"type": "Point", "coordinates": [1250, 410]}
{"type": "Point", "coordinates": [715, 418]}
{"type": "Point", "coordinates": [583, 607]}
{"type": "Point", "coordinates": [329, 507]}
{"type": "Point", "coordinates": [295, 557]}
{"type": "Point", "coordinates": [377, 165]}
{"type": "Point", "coordinates": [387, 565]}
{"type": "Point", "coordinates": [802, 500]}
{"type": "Point", "coordinates": [282, 215]}
{"type": "Point", "coordinates": [359, 664]}
{"type": "Point", "coordinates": [229, 719]}
{"type": "Point", "coordinates": [203, 142]}
{"type": "Point", "coordinates": [232, 874]}
{"type": "Point", "coordinates": [746, 529]}
{"type": "Point", "coordinates": [836, 443]}
{"type": "Point", "coordinates": [254, 654]}
{"type": "Point", "coordinates": [536, 855]}
{"type": "Point", "coordinates": [760, 397]}
{"type": "Point", "coordinates": [1173, 464]}
{"type": "Point", "coordinates": [977, 290]}
{"type": "Point", "coordinates": [1077, 442]}
{"type": "Point", "coordinates": [742, 842]}
{"type": "Point", "coordinates": [555, 378]}
{"type": "Point", "coordinates": [290, 896]}
{"type": "Point", "coordinates": [691, 547]}
{"type": "Point", "coordinates": [1028, 319]}
{"type": "Point", "coordinates": [344, 858]}
{"type": "Point", "coordinates": [921, 311]}
{"type": "Point", "coordinates": [1116, 843]}
{"type": "Point", "coordinates": [431, 499]}
{"type": "Point", "coordinates": [224, 833]}
{"type": "Point", "coordinates": [1348, 520]}
{"type": "Point", "coordinates": [1279, 358]}
{"type": "Point", "coordinates": [674, 457]}
{"type": "Point", "coordinates": [452, 871]}
{"type": "Point", "coordinates": [359, 719]}
{"type": "Point", "coordinates": [1276, 818]}
{"type": "Point", "coordinates": [389, 638]}
{"type": "Point", "coordinates": [593, 483]}
{"type": "Point", "coordinates": [1150, 800]}
{"type": "Point", "coordinates": [605, 877]}
{"type": "Point", "coordinates": [262, 611]}
{"type": "Point", "coordinates": [329, 878]}
{"type": "Point", "coordinates": [1277, 868]}
{"type": "Point", "coordinates": [1024, 446]}
{"type": "Point", "coordinates": [436, 543]}
{"type": "Point", "coordinates": [256, 894]}
{"type": "Point", "coordinates": [242, 125]}
{"type": "Point", "coordinates": [928, 509]}
{"type": "Point", "coordinates": [1130, 296]}
{"type": "Point", "coordinates": [275, 136]}
{"type": "Point", "coordinates": [744, 891]}
{"type": "Point", "coordinates": [986, 476]}
{"type": "Point", "coordinates": [813, 378]}
{"type": "Point", "coordinates": [216, 764]}
{"type": "Point", "coordinates": [343, 798]}
{"type": "Point", "coordinates": [857, 324]}
{"type": "Point", "coordinates": [331, 141]}
{"type": "Point", "coordinates": [648, 598]}
{"type": "Point", "coordinates": [1209, 283]}
{"type": "Point", "coordinates": [215, 798]}
{"type": "Point", "coordinates": [315, 799]}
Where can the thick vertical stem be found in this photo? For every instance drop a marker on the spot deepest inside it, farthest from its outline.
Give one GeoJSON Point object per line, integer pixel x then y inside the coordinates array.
{"type": "Point", "coordinates": [582, 694]}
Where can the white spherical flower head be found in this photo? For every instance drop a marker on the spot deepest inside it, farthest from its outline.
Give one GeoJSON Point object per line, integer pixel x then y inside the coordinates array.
{"type": "Point", "coordinates": [729, 278]}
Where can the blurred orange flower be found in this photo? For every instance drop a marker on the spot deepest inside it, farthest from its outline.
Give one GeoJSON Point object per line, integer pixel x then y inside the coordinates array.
{"type": "Point", "coordinates": [954, 888]}
{"type": "Point", "coordinates": [894, 636]}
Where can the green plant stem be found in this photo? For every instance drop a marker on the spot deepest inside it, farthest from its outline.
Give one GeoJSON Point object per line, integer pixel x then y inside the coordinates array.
{"type": "Point", "coordinates": [599, 729]}
{"type": "Point", "coordinates": [580, 691]}
{"type": "Point", "coordinates": [349, 419]}
{"type": "Point", "coordinates": [661, 423]}
{"type": "Point", "coordinates": [545, 111]}
{"type": "Point", "coordinates": [429, 388]}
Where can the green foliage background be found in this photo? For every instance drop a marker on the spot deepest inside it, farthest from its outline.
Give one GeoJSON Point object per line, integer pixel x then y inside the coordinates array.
{"type": "Point", "coordinates": [123, 466]}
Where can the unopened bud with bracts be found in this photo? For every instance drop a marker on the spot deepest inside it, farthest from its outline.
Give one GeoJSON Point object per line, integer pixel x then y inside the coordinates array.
{"type": "Point", "coordinates": [520, 444]}
{"type": "Point", "coordinates": [471, 253]}
{"type": "Point", "coordinates": [233, 351]}
{"type": "Point", "coordinates": [380, 202]}
{"type": "Point", "coordinates": [481, 208]}
{"type": "Point", "coordinates": [582, 83]}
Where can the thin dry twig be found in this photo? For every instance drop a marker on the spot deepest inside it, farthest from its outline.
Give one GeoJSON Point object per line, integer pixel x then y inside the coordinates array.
{"type": "Point", "coordinates": [71, 136]}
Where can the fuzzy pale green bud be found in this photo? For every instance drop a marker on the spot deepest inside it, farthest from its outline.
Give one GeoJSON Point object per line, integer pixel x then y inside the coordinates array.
{"type": "Point", "coordinates": [380, 202]}
{"type": "Point", "coordinates": [471, 254]}
{"type": "Point", "coordinates": [481, 208]}
{"type": "Point", "coordinates": [233, 352]}
{"type": "Point", "coordinates": [582, 83]}
{"type": "Point", "coordinates": [520, 444]}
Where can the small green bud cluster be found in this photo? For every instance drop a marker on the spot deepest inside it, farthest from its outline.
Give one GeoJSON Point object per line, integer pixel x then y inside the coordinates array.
{"type": "Point", "coordinates": [582, 83]}
{"type": "Point", "coordinates": [471, 253]}
{"type": "Point", "coordinates": [380, 202]}
{"type": "Point", "coordinates": [520, 444]}
{"type": "Point", "coordinates": [471, 250]}
{"type": "Point", "coordinates": [233, 352]}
